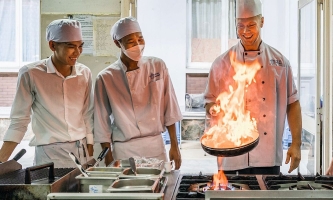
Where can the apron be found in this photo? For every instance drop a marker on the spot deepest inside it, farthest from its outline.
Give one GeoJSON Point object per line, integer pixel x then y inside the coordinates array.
{"type": "Point", "coordinates": [148, 147]}
{"type": "Point", "coordinates": [54, 153]}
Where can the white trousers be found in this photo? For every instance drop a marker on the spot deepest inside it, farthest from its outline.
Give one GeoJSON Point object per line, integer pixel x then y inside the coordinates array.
{"type": "Point", "coordinates": [54, 153]}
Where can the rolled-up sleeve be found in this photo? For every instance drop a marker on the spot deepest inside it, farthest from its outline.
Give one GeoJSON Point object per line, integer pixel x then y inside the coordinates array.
{"type": "Point", "coordinates": [88, 111]}
{"type": "Point", "coordinates": [172, 111]}
{"type": "Point", "coordinates": [20, 114]}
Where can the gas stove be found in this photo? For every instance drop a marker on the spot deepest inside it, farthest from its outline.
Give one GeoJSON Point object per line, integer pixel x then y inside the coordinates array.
{"type": "Point", "coordinates": [255, 187]}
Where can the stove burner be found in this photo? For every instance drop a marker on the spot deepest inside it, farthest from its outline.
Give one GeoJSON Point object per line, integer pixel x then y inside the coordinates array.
{"type": "Point", "coordinates": [298, 182]}
{"type": "Point", "coordinates": [195, 186]}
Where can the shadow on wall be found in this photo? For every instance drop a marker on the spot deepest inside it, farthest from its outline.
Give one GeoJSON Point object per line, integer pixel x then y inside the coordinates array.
{"type": "Point", "coordinates": [4, 124]}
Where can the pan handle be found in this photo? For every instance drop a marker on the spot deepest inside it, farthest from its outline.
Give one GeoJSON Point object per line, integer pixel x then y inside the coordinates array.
{"type": "Point", "coordinates": [33, 168]}
{"type": "Point", "coordinates": [19, 154]}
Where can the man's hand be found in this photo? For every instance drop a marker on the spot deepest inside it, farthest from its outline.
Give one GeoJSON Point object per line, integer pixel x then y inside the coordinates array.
{"type": "Point", "coordinates": [90, 148]}
{"type": "Point", "coordinates": [330, 169]}
{"type": "Point", "coordinates": [6, 150]}
{"type": "Point", "coordinates": [294, 117]}
{"type": "Point", "coordinates": [174, 154]}
{"type": "Point", "coordinates": [108, 158]}
{"type": "Point", "coordinates": [293, 154]}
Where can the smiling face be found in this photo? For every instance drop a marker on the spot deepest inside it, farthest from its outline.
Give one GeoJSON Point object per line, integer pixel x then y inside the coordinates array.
{"type": "Point", "coordinates": [65, 54]}
{"type": "Point", "coordinates": [248, 30]}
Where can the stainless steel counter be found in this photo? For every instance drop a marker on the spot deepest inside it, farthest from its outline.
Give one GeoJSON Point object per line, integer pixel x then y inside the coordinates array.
{"type": "Point", "coordinates": [173, 178]}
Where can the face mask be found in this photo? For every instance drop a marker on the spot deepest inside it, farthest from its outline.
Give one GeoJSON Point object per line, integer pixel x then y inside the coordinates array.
{"type": "Point", "coordinates": [134, 53]}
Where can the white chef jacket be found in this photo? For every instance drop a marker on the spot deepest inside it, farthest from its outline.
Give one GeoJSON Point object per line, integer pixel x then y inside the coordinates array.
{"type": "Point", "coordinates": [134, 107]}
{"type": "Point", "coordinates": [266, 99]}
{"type": "Point", "coordinates": [61, 108]}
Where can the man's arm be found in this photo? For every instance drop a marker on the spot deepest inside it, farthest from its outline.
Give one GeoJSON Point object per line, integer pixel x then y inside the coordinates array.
{"type": "Point", "coordinates": [7, 150]}
{"type": "Point", "coordinates": [330, 169]}
{"type": "Point", "coordinates": [108, 158]}
{"type": "Point", "coordinates": [174, 153]}
{"type": "Point", "coordinates": [295, 124]}
{"type": "Point", "coordinates": [88, 116]}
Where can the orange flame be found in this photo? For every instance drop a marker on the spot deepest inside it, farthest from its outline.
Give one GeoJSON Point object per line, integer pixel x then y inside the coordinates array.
{"type": "Point", "coordinates": [233, 125]}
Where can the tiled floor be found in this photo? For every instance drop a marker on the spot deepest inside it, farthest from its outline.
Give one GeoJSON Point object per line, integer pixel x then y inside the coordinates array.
{"type": "Point", "coordinates": [194, 159]}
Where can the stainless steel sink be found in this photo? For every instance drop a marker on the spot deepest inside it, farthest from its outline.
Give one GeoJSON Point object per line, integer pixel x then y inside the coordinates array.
{"type": "Point", "coordinates": [134, 185]}
{"type": "Point", "coordinates": [142, 172]}
{"type": "Point", "coordinates": [100, 182]}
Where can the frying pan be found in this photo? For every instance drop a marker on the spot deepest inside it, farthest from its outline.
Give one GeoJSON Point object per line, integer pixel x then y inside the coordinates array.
{"type": "Point", "coordinates": [229, 152]}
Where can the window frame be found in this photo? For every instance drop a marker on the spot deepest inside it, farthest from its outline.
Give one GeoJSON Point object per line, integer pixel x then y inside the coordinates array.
{"type": "Point", "coordinates": [14, 66]}
{"type": "Point", "coordinates": [224, 35]}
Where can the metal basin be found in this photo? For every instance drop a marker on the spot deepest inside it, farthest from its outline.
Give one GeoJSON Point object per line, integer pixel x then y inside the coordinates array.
{"type": "Point", "coordinates": [142, 172]}
{"type": "Point", "coordinates": [104, 170]}
{"type": "Point", "coordinates": [229, 152]}
{"type": "Point", "coordinates": [97, 182]}
{"type": "Point", "coordinates": [134, 185]}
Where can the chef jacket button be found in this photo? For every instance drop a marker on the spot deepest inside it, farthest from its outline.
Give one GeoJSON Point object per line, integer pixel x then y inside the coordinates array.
{"type": "Point", "coordinates": [264, 115]}
{"type": "Point", "coordinates": [265, 133]}
{"type": "Point", "coordinates": [263, 82]}
{"type": "Point", "coordinates": [262, 66]}
{"type": "Point", "coordinates": [263, 99]}
{"type": "Point", "coordinates": [246, 54]}
{"type": "Point", "coordinates": [259, 53]}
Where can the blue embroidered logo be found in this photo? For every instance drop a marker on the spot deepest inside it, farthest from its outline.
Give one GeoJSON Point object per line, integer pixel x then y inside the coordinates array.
{"type": "Point", "coordinates": [275, 62]}
{"type": "Point", "coordinates": [155, 76]}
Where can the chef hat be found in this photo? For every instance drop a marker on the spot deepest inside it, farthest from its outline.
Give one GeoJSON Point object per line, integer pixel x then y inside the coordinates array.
{"type": "Point", "coordinates": [123, 27]}
{"type": "Point", "coordinates": [64, 30]}
{"type": "Point", "coordinates": [248, 8]}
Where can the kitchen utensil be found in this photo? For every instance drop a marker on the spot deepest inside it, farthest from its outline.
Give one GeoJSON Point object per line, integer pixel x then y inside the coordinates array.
{"type": "Point", "coordinates": [77, 162]}
{"type": "Point", "coordinates": [168, 166]}
{"type": "Point", "coordinates": [133, 165]}
{"type": "Point", "coordinates": [229, 152]}
{"type": "Point", "coordinates": [101, 156]}
{"type": "Point", "coordinates": [12, 165]}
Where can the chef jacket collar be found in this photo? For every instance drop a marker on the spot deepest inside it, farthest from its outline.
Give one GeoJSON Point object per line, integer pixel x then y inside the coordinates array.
{"type": "Point", "coordinates": [123, 66]}
{"type": "Point", "coordinates": [51, 68]}
{"type": "Point", "coordinates": [242, 50]}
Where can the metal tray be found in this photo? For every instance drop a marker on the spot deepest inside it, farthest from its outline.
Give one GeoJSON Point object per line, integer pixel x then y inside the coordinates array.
{"type": "Point", "coordinates": [123, 163]}
{"type": "Point", "coordinates": [135, 185]}
{"type": "Point", "coordinates": [142, 172]}
{"type": "Point", "coordinates": [97, 182]}
{"type": "Point", "coordinates": [104, 170]}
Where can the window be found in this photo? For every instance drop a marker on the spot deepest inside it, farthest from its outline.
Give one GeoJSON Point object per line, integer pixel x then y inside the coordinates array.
{"type": "Point", "coordinates": [211, 30]}
{"type": "Point", "coordinates": [19, 33]}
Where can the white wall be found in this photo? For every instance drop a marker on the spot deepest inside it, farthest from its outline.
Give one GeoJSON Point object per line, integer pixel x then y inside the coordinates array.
{"type": "Point", "coordinates": [163, 24]}
{"type": "Point", "coordinates": [281, 27]}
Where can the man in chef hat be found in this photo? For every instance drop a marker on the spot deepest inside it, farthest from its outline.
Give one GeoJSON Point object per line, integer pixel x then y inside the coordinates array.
{"type": "Point", "coordinates": [56, 93]}
{"type": "Point", "coordinates": [135, 101]}
{"type": "Point", "coordinates": [271, 98]}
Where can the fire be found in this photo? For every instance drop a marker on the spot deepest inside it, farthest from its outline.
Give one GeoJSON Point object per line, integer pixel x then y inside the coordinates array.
{"type": "Point", "coordinates": [233, 125]}
{"type": "Point", "coordinates": [220, 181]}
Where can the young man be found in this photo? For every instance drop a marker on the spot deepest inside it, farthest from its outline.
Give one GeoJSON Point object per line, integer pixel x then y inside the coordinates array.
{"type": "Point", "coordinates": [135, 101]}
{"type": "Point", "coordinates": [270, 99]}
{"type": "Point", "coordinates": [56, 93]}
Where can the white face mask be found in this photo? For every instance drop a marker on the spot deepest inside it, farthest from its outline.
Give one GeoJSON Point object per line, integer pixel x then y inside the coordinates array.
{"type": "Point", "coordinates": [134, 53]}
